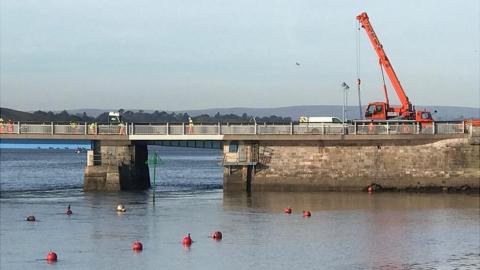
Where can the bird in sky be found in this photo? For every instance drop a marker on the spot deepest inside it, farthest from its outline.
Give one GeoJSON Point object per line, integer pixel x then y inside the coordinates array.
{"type": "Point", "coordinates": [297, 63]}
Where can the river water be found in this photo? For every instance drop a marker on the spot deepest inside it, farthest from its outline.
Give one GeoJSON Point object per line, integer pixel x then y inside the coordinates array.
{"type": "Point", "coordinates": [346, 230]}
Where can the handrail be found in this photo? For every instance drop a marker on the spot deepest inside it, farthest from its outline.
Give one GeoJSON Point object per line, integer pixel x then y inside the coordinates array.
{"type": "Point", "coordinates": [353, 128]}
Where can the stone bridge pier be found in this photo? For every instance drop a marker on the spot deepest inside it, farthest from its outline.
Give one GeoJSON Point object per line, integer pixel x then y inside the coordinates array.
{"type": "Point", "coordinates": [116, 165]}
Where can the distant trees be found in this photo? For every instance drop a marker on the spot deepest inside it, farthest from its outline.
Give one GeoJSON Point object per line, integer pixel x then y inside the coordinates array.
{"type": "Point", "coordinates": [137, 117]}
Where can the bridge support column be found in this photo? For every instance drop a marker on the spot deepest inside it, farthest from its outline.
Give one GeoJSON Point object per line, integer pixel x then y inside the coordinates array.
{"type": "Point", "coordinates": [238, 178]}
{"type": "Point", "coordinates": [115, 166]}
{"type": "Point", "coordinates": [239, 160]}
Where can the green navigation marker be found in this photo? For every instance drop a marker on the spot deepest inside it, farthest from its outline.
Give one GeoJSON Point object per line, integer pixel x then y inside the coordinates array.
{"type": "Point", "coordinates": [155, 161]}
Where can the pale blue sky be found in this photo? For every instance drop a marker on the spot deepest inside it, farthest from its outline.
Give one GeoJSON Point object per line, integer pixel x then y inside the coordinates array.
{"type": "Point", "coordinates": [176, 55]}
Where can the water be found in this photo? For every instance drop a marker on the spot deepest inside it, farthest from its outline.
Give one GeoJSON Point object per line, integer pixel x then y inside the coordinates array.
{"type": "Point", "coordinates": [346, 230]}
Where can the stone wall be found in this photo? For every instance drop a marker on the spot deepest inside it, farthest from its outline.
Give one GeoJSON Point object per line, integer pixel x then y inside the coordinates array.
{"type": "Point", "coordinates": [353, 165]}
{"type": "Point", "coordinates": [117, 166]}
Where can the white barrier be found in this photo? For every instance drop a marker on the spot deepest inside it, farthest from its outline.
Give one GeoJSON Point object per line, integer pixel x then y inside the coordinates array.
{"type": "Point", "coordinates": [361, 128]}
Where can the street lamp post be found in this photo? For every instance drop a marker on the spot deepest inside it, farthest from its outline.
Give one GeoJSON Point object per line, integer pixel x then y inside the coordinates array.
{"type": "Point", "coordinates": [345, 103]}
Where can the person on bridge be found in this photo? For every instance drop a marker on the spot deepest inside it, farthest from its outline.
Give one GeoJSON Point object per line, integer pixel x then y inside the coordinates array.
{"type": "Point", "coordinates": [73, 125]}
{"type": "Point", "coordinates": [10, 126]}
{"type": "Point", "coordinates": [190, 125]}
{"type": "Point", "coordinates": [121, 128]}
{"type": "Point", "coordinates": [371, 128]}
{"type": "Point", "coordinates": [92, 128]}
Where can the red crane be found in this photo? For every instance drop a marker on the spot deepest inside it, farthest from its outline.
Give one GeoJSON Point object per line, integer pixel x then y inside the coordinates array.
{"type": "Point", "coordinates": [383, 110]}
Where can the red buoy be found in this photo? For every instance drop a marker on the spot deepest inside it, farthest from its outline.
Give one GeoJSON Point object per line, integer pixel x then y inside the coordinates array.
{"type": "Point", "coordinates": [137, 246]}
{"type": "Point", "coordinates": [370, 189]}
{"type": "Point", "coordinates": [287, 210]}
{"type": "Point", "coordinates": [307, 214]}
{"type": "Point", "coordinates": [31, 218]}
{"type": "Point", "coordinates": [217, 235]}
{"type": "Point", "coordinates": [187, 240]}
{"type": "Point", "coordinates": [51, 256]}
{"type": "Point", "coordinates": [69, 211]}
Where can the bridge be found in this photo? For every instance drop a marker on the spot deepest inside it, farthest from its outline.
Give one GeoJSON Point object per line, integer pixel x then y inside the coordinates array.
{"type": "Point", "coordinates": [290, 156]}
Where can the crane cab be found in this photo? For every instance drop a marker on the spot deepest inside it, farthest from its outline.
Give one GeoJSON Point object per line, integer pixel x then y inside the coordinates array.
{"type": "Point", "coordinates": [376, 111]}
{"type": "Point", "coordinates": [423, 117]}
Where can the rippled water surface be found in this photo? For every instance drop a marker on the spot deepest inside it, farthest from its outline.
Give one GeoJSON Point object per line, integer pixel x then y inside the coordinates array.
{"type": "Point", "coordinates": [346, 230]}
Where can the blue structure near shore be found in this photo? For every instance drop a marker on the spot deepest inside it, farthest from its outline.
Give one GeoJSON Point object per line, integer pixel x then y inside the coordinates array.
{"type": "Point", "coordinates": [44, 144]}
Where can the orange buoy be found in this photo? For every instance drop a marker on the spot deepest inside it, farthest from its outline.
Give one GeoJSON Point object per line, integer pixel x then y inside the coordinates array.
{"type": "Point", "coordinates": [287, 210]}
{"type": "Point", "coordinates": [137, 246]}
{"type": "Point", "coordinates": [307, 214]}
{"type": "Point", "coordinates": [31, 218]}
{"type": "Point", "coordinates": [187, 240]}
{"type": "Point", "coordinates": [217, 235]}
{"type": "Point", "coordinates": [51, 257]}
{"type": "Point", "coordinates": [69, 211]}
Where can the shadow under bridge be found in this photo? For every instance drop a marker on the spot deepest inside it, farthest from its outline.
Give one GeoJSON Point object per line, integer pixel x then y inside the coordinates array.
{"type": "Point", "coordinates": [184, 143]}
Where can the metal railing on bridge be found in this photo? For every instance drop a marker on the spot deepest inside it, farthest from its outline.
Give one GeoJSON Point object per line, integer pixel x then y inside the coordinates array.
{"type": "Point", "coordinates": [353, 128]}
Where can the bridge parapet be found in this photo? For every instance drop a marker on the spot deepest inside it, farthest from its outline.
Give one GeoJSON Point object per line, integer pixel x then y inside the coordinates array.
{"type": "Point", "coordinates": [128, 129]}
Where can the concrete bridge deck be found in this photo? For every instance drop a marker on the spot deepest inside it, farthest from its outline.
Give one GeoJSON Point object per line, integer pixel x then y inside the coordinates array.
{"type": "Point", "coordinates": [243, 137]}
{"type": "Point", "coordinates": [223, 132]}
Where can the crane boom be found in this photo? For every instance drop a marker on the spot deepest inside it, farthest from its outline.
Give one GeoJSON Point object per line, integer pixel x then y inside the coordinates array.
{"type": "Point", "coordinates": [406, 107]}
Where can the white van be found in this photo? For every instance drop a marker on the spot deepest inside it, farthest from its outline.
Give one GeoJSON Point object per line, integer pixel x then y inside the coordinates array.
{"type": "Point", "coordinates": [319, 119]}
{"type": "Point", "coordinates": [320, 125]}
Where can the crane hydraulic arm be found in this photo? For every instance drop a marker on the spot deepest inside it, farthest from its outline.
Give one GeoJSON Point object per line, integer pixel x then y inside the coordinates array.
{"type": "Point", "coordinates": [406, 107]}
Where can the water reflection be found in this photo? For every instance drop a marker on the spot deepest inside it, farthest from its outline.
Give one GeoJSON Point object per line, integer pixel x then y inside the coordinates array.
{"type": "Point", "coordinates": [327, 201]}
{"type": "Point", "coordinates": [358, 230]}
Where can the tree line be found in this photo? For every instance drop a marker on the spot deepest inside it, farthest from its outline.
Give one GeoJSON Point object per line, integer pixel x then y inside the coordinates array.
{"type": "Point", "coordinates": [137, 117]}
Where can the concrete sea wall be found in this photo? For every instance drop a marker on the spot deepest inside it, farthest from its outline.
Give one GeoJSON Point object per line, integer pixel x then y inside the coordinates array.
{"type": "Point", "coordinates": [353, 165]}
